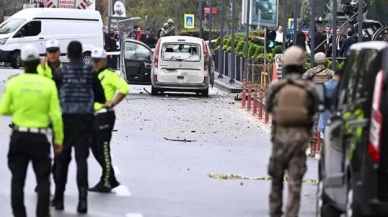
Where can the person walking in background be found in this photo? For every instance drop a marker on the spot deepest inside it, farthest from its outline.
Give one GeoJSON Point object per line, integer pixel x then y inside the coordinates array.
{"type": "Point", "coordinates": [320, 40]}
{"type": "Point", "coordinates": [330, 88]}
{"type": "Point", "coordinates": [132, 34]}
{"type": "Point", "coordinates": [318, 75]}
{"type": "Point", "coordinates": [349, 41]}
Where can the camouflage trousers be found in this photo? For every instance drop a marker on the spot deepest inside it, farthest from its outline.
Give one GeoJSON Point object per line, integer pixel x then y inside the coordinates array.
{"type": "Point", "coordinates": [288, 154]}
{"type": "Point", "coordinates": [314, 132]}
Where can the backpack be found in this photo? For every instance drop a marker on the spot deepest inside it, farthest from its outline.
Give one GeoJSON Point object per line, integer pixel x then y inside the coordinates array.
{"type": "Point", "coordinates": [291, 109]}
{"type": "Point", "coordinates": [320, 77]}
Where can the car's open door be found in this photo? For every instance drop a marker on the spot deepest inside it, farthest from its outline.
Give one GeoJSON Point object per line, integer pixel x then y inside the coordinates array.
{"type": "Point", "coordinates": [136, 62]}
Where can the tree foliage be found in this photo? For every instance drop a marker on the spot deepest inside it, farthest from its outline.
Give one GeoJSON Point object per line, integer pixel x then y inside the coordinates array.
{"type": "Point", "coordinates": [305, 14]}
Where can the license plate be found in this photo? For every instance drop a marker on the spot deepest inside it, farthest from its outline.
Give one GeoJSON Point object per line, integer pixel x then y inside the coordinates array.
{"type": "Point", "coordinates": [170, 71]}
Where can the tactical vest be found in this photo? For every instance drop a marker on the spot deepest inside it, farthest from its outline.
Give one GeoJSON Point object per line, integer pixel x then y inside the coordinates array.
{"type": "Point", "coordinates": [320, 75]}
{"type": "Point", "coordinates": [291, 109]}
{"type": "Point", "coordinates": [76, 91]}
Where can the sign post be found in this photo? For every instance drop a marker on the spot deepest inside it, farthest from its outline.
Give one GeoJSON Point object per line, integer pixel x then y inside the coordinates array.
{"type": "Point", "coordinates": [189, 21]}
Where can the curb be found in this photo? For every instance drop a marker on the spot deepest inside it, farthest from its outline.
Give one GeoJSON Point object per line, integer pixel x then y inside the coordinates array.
{"type": "Point", "coordinates": [224, 85]}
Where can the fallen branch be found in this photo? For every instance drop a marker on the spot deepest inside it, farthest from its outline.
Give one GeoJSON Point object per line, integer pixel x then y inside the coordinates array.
{"type": "Point", "coordinates": [179, 140]}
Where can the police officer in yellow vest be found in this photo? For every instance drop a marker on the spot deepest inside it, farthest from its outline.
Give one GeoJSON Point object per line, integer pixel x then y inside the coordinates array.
{"type": "Point", "coordinates": [46, 68]}
{"type": "Point", "coordinates": [51, 62]}
{"type": "Point", "coordinates": [29, 138]}
{"type": "Point", "coordinates": [105, 119]}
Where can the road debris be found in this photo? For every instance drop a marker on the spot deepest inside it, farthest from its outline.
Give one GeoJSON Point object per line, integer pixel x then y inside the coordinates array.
{"type": "Point", "coordinates": [179, 140]}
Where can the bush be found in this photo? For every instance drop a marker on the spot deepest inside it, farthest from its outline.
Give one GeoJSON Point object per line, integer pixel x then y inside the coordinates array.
{"type": "Point", "coordinates": [277, 50]}
{"type": "Point", "coordinates": [195, 33]}
{"type": "Point", "coordinates": [341, 65]}
{"type": "Point", "coordinates": [251, 51]}
{"type": "Point", "coordinates": [259, 54]}
{"type": "Point", "coordinates": [240, 48]}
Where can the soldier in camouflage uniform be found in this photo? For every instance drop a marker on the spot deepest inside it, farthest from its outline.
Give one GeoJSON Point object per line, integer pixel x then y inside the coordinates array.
{"type": "Point", "coordinates": [171, 28]}
{"type": "Point", "coordinates": [289, 140]}
{"type": "Point", "coordinates": [319, 75]}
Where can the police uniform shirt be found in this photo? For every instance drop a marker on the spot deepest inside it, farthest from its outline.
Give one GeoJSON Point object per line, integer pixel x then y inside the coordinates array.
{"type": "Point", "coordinates": [110, 80]}
{"type": "Point", "coordinates": [32, 100]}
{"type": "Point", "coordinates": [48, 71]}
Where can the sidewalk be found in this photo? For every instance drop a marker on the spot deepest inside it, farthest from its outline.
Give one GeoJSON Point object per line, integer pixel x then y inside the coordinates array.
{"type": "Point", "coordinates": [224, 85]}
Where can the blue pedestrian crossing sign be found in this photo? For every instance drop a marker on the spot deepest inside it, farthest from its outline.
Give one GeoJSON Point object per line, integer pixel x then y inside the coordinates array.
{"type": "Point", "coordinates": [290, 23]}
{"type": "Point", "coordinates": [189, 21]}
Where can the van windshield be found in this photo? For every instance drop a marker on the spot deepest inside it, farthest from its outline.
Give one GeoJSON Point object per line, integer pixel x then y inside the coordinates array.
{"type": "Point", "coordinates": [11, 25]}
{"type": "Point", "coordinates": [181, 52]}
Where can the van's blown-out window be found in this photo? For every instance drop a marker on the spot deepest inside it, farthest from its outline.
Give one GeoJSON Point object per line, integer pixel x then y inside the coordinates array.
{"type": "Point", "coordinates": [181, 52]}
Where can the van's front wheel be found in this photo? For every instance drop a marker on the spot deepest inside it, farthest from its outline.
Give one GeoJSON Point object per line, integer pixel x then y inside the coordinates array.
{"type": "Point", "coordinates": [15, 60]}
{"type": "Point", "coordinates": [87, 58]}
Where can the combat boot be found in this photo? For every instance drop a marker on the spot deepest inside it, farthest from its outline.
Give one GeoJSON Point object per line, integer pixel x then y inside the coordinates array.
{"type": "Point", "coordinates": [58, 202]}
{"type": "Point", "coordinates": [83, 201]}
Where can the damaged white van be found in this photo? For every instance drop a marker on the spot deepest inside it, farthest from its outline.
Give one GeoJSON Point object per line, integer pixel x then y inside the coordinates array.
{"type": "Point", "coordinates": [182, 64]}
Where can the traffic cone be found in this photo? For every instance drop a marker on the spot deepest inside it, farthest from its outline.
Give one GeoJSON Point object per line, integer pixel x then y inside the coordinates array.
{"type": "Point", "coordinates": [274, 73]}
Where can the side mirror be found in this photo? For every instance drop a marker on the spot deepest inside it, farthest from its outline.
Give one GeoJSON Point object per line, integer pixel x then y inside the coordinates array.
{"type": "Point", "coordinates": [321, 94]}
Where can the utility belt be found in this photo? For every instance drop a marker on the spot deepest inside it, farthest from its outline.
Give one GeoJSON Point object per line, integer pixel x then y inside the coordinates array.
{"type": "Point", "coordinates": [104, 110]}
{"type": "Point", "coordinates": [44, 131]}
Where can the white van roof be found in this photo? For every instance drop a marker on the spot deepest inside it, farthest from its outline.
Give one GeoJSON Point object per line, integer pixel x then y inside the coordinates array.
{"type": "Point", "coordinates": [173, 39]}
{"type": "Point", "coordinates": [30, 13]}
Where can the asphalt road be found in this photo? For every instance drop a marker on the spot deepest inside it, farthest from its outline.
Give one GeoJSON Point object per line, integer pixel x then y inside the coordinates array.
{"type": "Point", "coordinates": [163, 178]}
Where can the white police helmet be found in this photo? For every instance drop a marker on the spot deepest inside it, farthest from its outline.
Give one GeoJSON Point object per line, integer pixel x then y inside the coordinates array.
{"type": "Point", "coordinates": [29, 53]}
{"type": "Point", "coordinates": [52, 45]}
{"type": "Point", "coordinates": [99, 53]}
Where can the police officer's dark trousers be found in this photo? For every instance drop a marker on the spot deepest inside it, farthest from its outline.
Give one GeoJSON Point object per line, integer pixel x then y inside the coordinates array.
{"type": "Point", "coordinates": [104, 124]}
{"type": "Point", "coordinates": [78, 134]}
{"type": "Point", "coordinates": [26, 147]}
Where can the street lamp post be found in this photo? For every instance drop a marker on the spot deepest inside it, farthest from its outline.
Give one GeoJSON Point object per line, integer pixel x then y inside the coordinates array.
{"type": "Point", "coordinates": [295, 7]}
{"type": "Point", "coordinates": [221, 51]}
{"type": "Point", "coordinates": [210, 23]}
{"type": "Point", "coordinates": [312, 33]}
{"type": "Point", "coordinates": [360, 19]}
{"type": "Point", "coordinates": [334, 36]}
{"type": "Point", "coordinates": [231, 81]}
{"type": "Point", "coordinates": [247, 11]}
{"type": "Point", "coordinates": [200, 18]}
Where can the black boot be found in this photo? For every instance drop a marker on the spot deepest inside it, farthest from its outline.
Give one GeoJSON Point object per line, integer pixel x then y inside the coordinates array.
{"type": "Point", "coordinates": [57, 202]}
{"type": "Point", "coordinates": [83, 201]}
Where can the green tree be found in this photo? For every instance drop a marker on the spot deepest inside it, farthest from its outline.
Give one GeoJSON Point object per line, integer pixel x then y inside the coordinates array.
{"type": "Point", "coordinates": [305, 14]}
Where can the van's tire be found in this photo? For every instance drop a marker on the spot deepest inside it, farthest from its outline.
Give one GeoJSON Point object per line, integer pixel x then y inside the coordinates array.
{"type": "Point", "coordinates": [154, 91]}
{"type": "Point", "coordinates": [15, 60]}
{"type": "Point", "coordinates": [205, 93]}
{"type": "Point", "coordinates": [87, 58]}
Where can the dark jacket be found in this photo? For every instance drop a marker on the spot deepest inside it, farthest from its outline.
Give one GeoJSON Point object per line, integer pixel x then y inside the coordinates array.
{"type": "Point", "coordinates": [301, 40]}
{"type": "Point", "coordinates": [107, 41]}
{"type": "Point", "coordinates": [346, 45]}
{"type": "Point", "coordinates": [150, 40]}
{"type": "Point", "coordinates": [320, 39]}
{"type": "Point", "coordinates": [78, 88]}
